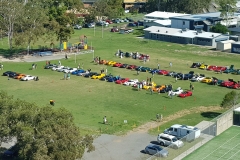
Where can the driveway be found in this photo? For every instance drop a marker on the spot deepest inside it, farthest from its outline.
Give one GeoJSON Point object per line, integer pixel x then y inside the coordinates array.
{"type": "Point", "coordinates": [111, 147]}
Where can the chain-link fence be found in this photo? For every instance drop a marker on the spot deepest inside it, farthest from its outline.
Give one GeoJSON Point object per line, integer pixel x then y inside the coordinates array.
{"type": "Point", "coordinates": [209, 129]}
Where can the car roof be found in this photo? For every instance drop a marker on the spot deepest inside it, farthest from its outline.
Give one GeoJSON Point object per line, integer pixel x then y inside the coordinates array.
{"type": "Point", "coordinates": [166, 135]}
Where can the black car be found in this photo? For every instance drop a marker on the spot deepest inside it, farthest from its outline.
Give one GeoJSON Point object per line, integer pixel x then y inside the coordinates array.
{"type": "Point", "coordinates": [90, 74]}
{"type": "Point", "coordinates": [7, 73]}
{"type": "Point", "coordinates": [196, 65]}
{"type": "Point", "coordinates": [123, 66]}
{"type": "Point", "coordinates": [171, 73]}
{"type": "Point", "coordinates": [179, 75]}
{"type": "Point", "coordinates": [167, 89]}
{"type": "Point", "coordinates": [186, 76]}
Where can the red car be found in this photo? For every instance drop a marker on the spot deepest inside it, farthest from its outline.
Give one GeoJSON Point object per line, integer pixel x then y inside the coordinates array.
{"type": "Point", "coordinates": [212, 68]}
{"type": "Point", "coordinates": [122, 80]}
{"type": "Point", "coordinates": [131, 67]}
{"type": "Point", "coordinates": [219, 69]}
{"type": "Point", "coordinates": [117, 65]}
{"type": "Point", "coordinates": [114, 30]}
{"type": "Point", "coordinates": [109, 21]}
{"type": "Point", "coordinates": [163, 72]}
{"type": "Point", "coordinates": [235, 86]}
{"type": "Point", "coordinates": [227, 83]}
{"type": "Point", "coordinates": [185, 94]}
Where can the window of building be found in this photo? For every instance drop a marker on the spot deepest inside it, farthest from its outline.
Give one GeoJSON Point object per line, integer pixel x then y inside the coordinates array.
{"type": "Point", "coordinates": [183, 22]}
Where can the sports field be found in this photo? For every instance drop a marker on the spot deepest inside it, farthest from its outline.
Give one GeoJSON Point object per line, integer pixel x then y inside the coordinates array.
{"type": "Point", "coordinates": [226, 146]}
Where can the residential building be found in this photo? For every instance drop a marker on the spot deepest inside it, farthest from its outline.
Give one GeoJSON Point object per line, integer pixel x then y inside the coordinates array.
{"type": "Point", "coordinates": [161, 19]}
{"type": "Point", "coordinates": [184, 36]}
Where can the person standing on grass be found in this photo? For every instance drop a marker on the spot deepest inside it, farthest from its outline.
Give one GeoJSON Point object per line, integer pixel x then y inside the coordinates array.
{"type": "Point", "coordinates": [158, 66]}
{"type": "Point", "coordinates": [106, 71]}
{"type": "Point", "coordinates": [151, 90]}
{"type": "Point", "coordinates": [150, 80]}
{"type": "Point", "coordinates": [137, 72]}
{"type": "Point", "coordinates": [191, 86]}
{"type": "Point", "coordinates": [170, 64]}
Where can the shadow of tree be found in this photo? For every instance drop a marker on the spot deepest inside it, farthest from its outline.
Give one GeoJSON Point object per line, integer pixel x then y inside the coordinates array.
{"type": "Point", "coordinates": [210, 114]}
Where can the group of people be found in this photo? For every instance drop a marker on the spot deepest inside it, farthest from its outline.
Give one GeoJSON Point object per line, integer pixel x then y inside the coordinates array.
{"type": "Point", "coordinates": [97, 60]}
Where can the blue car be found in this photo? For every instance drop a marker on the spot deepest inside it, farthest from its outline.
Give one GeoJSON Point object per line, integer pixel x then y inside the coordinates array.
{"type": "Point", "coordinates": [113, 79]}
{"type": "Point", "coordinates": [131, 25]}
{"type": "Point", "coordinates": [78, 71]}
{"type": "Point", "coordinates": [154, 70]}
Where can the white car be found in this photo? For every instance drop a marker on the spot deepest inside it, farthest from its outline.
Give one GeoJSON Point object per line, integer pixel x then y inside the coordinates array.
{"type": "Point", "coordinates": [57, 68]}
{"type": "Point", "coordinates": [197, 78]}
{"type": "Point", "coordinates": [169, 140]}
{"type": "Point", "coordinates": [131, 82]}
{"type": "Point", "coordinates": [27, 78]}
{"type": "Point", "coordinates": [69, 70]}
{"type": "Point", "coordinates": [63, 69]}
{"type": "Point", "coordinates": [177, 91]}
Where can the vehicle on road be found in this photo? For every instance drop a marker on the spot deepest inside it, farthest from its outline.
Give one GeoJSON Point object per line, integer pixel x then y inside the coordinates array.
{"type": "Point", "coordinates": [153, 149]}
{"type": "Point", "coordinates": [169, 140]}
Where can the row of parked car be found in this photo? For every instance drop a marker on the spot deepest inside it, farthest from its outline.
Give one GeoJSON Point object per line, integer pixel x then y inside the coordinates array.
{"type": "Point", "coordinates": [178, 75]}
{"type": "Point", "coordinates": [222, 69]}
{"type": "Point", "coordinates": [19, 76]}
{"type": "Point", "coordinates": [135, 83]}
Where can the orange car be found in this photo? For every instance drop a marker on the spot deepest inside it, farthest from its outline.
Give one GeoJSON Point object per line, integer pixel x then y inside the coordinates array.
{"type": "Point", "coordinates": [103, 62]}
{"type": "Point", "coordinates": [158, 87]}
{"type": "Point", "coordinates": [19, 76]}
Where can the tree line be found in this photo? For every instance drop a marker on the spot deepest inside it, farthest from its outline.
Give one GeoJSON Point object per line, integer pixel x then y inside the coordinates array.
{"type": "Point", "coordinates": [41, 132]}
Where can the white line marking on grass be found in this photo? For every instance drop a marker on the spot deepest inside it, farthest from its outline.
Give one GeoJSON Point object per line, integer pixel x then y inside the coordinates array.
{"type": "Point", "coordinates": [228, 151]}
{"type": "Point", "coordinates": [220, 146]}
{"type": "Point", "coordinates": [234, 154]}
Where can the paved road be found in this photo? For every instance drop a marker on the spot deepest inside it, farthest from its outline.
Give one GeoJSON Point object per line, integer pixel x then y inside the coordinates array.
{"type": "Point", "coordinates": [110, 147]}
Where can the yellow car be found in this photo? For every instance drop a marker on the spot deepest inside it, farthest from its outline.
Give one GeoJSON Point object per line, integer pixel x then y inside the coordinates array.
{"type": "Point", "coordinates": [158, 87]}
{"type": "Point", "coordinates": [98, 76]}
{"type": "Point", "coordinates": [207, 80]}
{"type": "Point", "coordinates": [204, 66]}
{"type": "Point", "coordinates": [150, 85]}
{"type": "Point", "coordinates": [19, 76]}
{"type": "Point", "coordinates": [111, 63]}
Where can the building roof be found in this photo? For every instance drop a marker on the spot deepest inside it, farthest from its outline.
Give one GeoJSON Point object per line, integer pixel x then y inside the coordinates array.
{"type": "Point", "coordinates": [237, 109]}
{"type": "Point", "coordinates": [198, 17]}
{"type": "Point", "coordinates": [181, 33]}
{"type": "Point", "coordinates": [159, 14]}
{"type": "Point", "coordinates": [236, 43]}
{"type": "Point", "coordinates": [164, 22]}
{"type": "Point", "coordinates": [227, 41]}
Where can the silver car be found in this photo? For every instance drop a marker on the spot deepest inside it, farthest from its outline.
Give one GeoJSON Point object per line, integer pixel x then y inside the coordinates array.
{"type": "Point", "coordinates": [156, 150]}
{"type": "Point", "coordinates": [169, 140]}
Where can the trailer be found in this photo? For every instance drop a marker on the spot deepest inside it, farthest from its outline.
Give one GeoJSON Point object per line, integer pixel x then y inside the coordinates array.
{"type": "Point", "coordinates": [181, 131]}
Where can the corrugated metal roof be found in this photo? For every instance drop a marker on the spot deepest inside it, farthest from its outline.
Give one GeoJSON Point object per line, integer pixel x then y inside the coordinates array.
{"type": "Point", "coordinates": [181, 33]}
{"type": "Point", "coordinates": [163, 22]}
{"type": "Point", "coordinates": [159, 14]}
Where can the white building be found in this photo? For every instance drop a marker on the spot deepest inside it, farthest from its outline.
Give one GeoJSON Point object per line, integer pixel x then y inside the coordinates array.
{"type": "Point", "coordinates": [161, 19]}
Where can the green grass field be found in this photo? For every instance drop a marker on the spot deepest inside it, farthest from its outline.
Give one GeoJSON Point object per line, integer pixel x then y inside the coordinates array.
{"type": "Point", "coordinates": [89, 100]}
{"type": "Point", "coordinates": [225, 146]}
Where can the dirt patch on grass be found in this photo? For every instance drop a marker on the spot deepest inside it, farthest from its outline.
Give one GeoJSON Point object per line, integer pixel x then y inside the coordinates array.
{"type": "Point", "coordinates": [153, 124]}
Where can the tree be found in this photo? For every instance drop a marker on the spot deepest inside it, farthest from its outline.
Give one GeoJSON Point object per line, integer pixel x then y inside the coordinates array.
{"type": "Point", "coordinates": [10, 13]}
{"type": "Point", "coordinates": [230, 99]}
{"type": "Point", "coordinates": [41, 132]}
{"type": "Point", "coordinates": [228, 7]}
{"type": "Point", "coordinates": [31, 24]}
{"type": "Point", "coordinates": [219, 28]}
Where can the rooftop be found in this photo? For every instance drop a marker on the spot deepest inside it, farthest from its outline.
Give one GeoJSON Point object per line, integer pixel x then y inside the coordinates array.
{"type": "Point", "coordinates": [181, 33]}
{"type": "Point", "coordinates": [164, 22]}
{"type": "Point", "coordinates": [203, 16]}
{"type": "Point", "coordinates": [159, 14]}
{"type": "Point", "coordinates": [227, 41]}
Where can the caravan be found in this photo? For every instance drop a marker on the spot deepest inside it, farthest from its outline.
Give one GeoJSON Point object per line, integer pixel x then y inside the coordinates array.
{"type": "Point", "coordinates": [181, 131]}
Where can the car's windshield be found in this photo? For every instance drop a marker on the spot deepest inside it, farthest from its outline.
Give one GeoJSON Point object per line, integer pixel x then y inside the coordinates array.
{"type": "Point", "coordinates": [174, 139]}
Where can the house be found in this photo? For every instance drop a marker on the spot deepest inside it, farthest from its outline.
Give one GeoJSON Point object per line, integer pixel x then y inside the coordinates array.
{"type": "Point", "coordinates": [161, 19]}
{"type": "Point", "coordinates": [184, 36]}
{"type": "Point", "coordinates": [203, 21]}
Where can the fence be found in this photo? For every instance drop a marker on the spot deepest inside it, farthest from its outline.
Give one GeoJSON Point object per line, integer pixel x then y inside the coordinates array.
{"type": "Point", "coordinates": [209, 129]}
